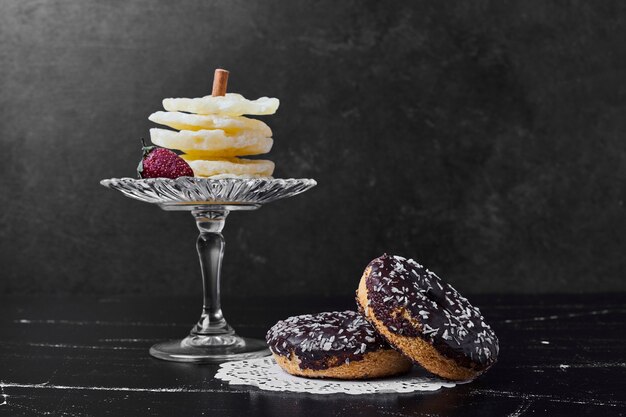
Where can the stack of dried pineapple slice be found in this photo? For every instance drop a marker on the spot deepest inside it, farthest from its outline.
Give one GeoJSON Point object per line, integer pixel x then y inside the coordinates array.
{"type": "Point", "coordinates": [213, 133]}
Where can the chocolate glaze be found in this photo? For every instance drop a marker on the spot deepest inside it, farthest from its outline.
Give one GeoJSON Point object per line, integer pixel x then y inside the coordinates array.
{"type": "Point", "coordinates": [326, 339]}
{"type": "Point", "coordinates": [445, 318]}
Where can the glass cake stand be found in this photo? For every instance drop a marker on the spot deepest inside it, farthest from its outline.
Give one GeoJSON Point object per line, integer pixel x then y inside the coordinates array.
{"type": "Point", "coordinates": [211, 339]}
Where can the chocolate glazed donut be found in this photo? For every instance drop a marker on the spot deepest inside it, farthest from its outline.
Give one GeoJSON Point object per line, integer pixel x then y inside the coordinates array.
{"type": "Point", "coordinates": [339, 345]}
{"type": "Point", "coordinates": [426, 319]}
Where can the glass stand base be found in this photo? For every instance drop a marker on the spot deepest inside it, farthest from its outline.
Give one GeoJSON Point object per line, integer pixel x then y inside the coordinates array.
{"type": "Point", "coordinates": [210, 349]}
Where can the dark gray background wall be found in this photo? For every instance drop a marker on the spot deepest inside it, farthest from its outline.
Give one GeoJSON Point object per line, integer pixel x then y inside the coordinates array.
{"type": "Point", "coordinates": [483, 138]}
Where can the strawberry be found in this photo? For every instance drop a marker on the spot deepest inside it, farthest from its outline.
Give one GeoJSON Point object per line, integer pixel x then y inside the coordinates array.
{"type": "Point", "coordinates": [161, 163]}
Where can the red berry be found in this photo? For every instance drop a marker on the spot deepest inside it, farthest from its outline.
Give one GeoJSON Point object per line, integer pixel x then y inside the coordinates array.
{"type": "Point", "coordinates": [162, 163]}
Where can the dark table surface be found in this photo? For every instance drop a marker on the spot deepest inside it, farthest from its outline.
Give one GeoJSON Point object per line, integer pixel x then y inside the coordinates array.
{"type": "Point", "coordinates": [560, 355]}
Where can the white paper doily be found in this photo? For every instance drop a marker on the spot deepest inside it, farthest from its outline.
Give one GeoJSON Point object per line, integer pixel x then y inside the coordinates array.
{"type": "Point", "coordinates": [265, 374]}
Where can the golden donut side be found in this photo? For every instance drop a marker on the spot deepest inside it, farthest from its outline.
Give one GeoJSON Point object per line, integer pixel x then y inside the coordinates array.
{"type": "Point", "coordinates": [377, 364]}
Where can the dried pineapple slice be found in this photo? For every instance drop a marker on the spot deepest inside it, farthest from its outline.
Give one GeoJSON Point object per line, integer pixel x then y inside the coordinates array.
{"type": "Point", "coordinates": [229, 105]}
{"type": "Point", "coordinates": [211, 142]}
{"type": "Point", "coordinates": [226, 167]}
{"type": "Point", "coordinates": [229, 124]}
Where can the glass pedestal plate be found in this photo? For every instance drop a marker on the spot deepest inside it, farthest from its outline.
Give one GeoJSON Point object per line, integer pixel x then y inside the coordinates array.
{"type": "Point", "coordinates": [211, 339]}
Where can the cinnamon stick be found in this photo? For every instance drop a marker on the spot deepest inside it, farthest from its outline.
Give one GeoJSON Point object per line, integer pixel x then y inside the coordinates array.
{"type": "Point", "coordinates": [220, 81]}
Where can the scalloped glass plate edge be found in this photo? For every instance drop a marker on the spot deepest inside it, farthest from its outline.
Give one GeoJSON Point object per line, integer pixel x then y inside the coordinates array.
{"type": "Point", "coordinates": [186, 192]}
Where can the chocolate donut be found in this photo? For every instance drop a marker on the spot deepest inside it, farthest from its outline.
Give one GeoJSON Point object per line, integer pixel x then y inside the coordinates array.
{"type": "Point", "coordinates": [426, 319]}
{"type": "Point", "coordinates": [339, 345]}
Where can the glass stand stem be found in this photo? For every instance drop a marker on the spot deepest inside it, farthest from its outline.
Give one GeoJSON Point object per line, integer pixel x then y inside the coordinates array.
{"type": "Point", "coordinates": [211, 339]}
{"type": "Point", "coordinates": [210, 246]}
